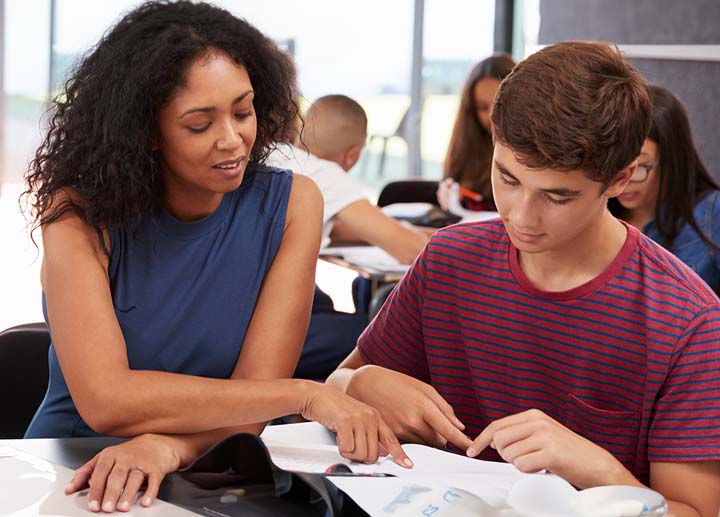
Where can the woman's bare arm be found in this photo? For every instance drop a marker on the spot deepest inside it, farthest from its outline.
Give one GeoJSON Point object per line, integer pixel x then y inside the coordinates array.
{"type": "Point", "coordinates": [113, 399]}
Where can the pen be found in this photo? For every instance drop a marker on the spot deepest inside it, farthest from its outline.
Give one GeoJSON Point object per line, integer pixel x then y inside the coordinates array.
{"type": "Point", "coordinates": [360, 474]}
{"type": "Point", "coordinates": [469, 194]}
{"type": "Point", "coordinates": [340, 469]}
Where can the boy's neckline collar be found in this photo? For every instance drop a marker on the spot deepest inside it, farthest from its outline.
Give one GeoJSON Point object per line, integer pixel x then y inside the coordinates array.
{"type": "Point", "coordinates": [588, 287]}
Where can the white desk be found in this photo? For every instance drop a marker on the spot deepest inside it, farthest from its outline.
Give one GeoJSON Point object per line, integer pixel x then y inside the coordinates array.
{"type": "Point", "coordinates": [33, 481]}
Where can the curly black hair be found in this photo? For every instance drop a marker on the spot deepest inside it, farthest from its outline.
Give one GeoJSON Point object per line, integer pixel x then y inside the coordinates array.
{"type": "Point", "coordinates": [103, 124]}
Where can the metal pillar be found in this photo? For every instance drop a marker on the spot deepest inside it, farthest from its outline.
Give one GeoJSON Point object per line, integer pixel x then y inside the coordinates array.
{"type": "Point", "coordinates": [504, 21]}
{"type": "Point", "coordinates": [414, 160]}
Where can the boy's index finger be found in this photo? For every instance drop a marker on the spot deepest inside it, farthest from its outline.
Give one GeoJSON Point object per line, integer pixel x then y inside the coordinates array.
{"type": "Point", "coordinates": [446, 428]}
{"type": "Point", "coordinates": [486, 436]}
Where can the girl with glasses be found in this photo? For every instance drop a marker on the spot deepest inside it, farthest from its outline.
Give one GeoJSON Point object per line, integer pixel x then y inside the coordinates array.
{"type": "Point", "coordinates": [672, 197]}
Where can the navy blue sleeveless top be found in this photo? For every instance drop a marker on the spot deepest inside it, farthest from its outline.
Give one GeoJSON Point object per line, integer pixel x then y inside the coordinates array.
{"type": "Point", "coordinates": [184, 293]}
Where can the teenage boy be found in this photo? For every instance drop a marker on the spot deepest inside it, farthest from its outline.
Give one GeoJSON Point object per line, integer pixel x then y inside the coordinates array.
{"type": "Point", "coordinates": [333, 136]}
{"type": "Point", "coordinates": [557, 337]}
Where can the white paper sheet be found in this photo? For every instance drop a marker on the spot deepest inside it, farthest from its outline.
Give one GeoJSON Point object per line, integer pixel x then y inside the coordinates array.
{"type": "Point", "coordinates": [433, 468]}
{"type": "Point", "coordinates": [445, 484]}
{"type": "Point", "coordinates": [407, 210]}
{"type": "Point", "coordinates": [370, 257]}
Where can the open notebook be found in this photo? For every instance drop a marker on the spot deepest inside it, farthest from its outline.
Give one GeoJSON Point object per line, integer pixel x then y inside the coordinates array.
{"type": "Point", "coordinates": [442, 483]}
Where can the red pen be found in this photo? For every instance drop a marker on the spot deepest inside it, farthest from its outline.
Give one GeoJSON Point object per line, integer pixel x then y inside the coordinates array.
{"type": "Point", "coordinates": [469, 194]}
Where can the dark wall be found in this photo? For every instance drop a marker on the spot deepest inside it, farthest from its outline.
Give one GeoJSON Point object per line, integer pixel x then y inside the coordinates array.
{"type": "Point", "coordinates": [653, 22]}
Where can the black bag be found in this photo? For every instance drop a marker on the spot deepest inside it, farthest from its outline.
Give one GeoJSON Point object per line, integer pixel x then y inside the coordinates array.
{"type": "Point", "coordinates": [236, 477]}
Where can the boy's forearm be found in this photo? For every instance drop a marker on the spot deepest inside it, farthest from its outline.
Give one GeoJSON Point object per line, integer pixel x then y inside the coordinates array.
{"type": "Point", "coordinates": [678, 509]}
{"type": "Point", "coordinates": [340, 378]}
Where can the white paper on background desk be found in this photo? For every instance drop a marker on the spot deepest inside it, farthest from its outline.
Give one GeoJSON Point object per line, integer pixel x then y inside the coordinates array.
{"type": "Point", "coordinates": [471, 216]}
{"type": "Point", "coordinates": [407, 210]}
{"type": "Point", "coordinates": [32, 486]}
{"type": "Point", "coordinates": [370, 257]}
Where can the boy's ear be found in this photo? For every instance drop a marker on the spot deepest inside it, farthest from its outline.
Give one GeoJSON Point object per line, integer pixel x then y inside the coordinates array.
{"type": "Point", "coordinates": [618, 184]}
{"type": "Point", "coordinates": [351, 156]}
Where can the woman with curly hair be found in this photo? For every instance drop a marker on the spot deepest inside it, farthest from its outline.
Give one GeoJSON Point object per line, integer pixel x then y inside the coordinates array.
{"type": "Point", "coordinates": [178, 270]}
{"type": "Point", "coordinates": [672, 197]}
{"type": "Point", "coordinates": [469, 154]}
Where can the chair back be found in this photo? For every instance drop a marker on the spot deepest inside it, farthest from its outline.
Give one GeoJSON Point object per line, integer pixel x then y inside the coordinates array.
{"type": "Point", "coordinates": [409, 191]}
{"type": "Point", "coordinates": [23, 376]}
{"type": "Point", "coordinates": [378, 299]}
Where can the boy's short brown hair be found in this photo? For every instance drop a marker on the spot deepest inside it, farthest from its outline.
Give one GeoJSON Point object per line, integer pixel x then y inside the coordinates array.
{"type": "Point", "coordinates": [574, 106]}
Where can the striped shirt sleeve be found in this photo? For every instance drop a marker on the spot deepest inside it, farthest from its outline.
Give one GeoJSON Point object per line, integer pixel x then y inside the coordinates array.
{"type": "Point", "coordinates": [394, 339]}
{"type": "Point", "coordinates": [686, 421]}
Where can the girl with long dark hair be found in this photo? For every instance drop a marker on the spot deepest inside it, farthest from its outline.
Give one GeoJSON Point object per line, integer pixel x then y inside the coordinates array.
{"type": "Point", "coordinates": [672, 197]}
{"type": "Point", "coordinates": [469, 154]}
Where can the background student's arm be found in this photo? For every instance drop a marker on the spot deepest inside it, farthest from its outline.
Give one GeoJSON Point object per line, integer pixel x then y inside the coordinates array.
{"type": "Point", "coordinates": [362, 221]}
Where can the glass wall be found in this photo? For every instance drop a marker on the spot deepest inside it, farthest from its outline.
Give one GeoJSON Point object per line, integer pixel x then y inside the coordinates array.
{"type": "Point", "coordinates": [363, 52]}
{"type": "Point", "coordinates": [79, 24]}
{"type": "Point", "coordinates": [526, 28]}
{"type": "Point", "coordinates": [457, 35]}
{"type": "Point", "coordinates": [361, 49]}
{"type": "Point", "coordinates": [26, 68]}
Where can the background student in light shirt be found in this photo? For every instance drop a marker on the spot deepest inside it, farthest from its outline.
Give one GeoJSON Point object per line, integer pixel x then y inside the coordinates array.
{"type": "Point", "coordinates": [178, 269]}
{"type": "Point", "coordinates": [332, 138]}
{"type": "Point", "coordinates": [469, 155]}
{"type": "Point", "coordinates": [557, 337]}
{"type": "Point", "coordinates": [673, 198]}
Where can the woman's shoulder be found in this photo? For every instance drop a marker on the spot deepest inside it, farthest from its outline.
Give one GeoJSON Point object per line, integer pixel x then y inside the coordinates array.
{"type": "Point", "coordinates": [306, 200]}
{"type": "Point", "coordinates": [296, 184]}
{"type": "Point", "coordinates": [267, 173]}
{"type": "Point", "coordinates": [64, 218]}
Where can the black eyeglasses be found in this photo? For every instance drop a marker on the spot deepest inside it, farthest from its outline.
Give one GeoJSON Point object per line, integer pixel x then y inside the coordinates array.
{"type": "Point", "coordinates": [642, 172]}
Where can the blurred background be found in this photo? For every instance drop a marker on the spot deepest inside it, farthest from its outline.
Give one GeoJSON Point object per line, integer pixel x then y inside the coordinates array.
{"type": "Point", "coordinates": [405, 61]}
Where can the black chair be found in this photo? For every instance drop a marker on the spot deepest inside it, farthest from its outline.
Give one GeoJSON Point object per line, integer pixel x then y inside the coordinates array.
{"type": "Point", "coordinates": [409, 191]}
{"type": "Point", "coordinates": [378, 299]}
{"type": "Point", "coordinates": [23, 376]}
{"type": "Point", "coordinates": [417, 191]}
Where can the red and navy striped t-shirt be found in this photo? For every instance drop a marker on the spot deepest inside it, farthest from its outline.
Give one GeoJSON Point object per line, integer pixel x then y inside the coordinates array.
{"type": "Point", "coordinates": [630, 360]}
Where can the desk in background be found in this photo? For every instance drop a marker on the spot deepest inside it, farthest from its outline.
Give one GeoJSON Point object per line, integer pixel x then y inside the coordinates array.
{"type": "Point", "coordinates": [370, 262]}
